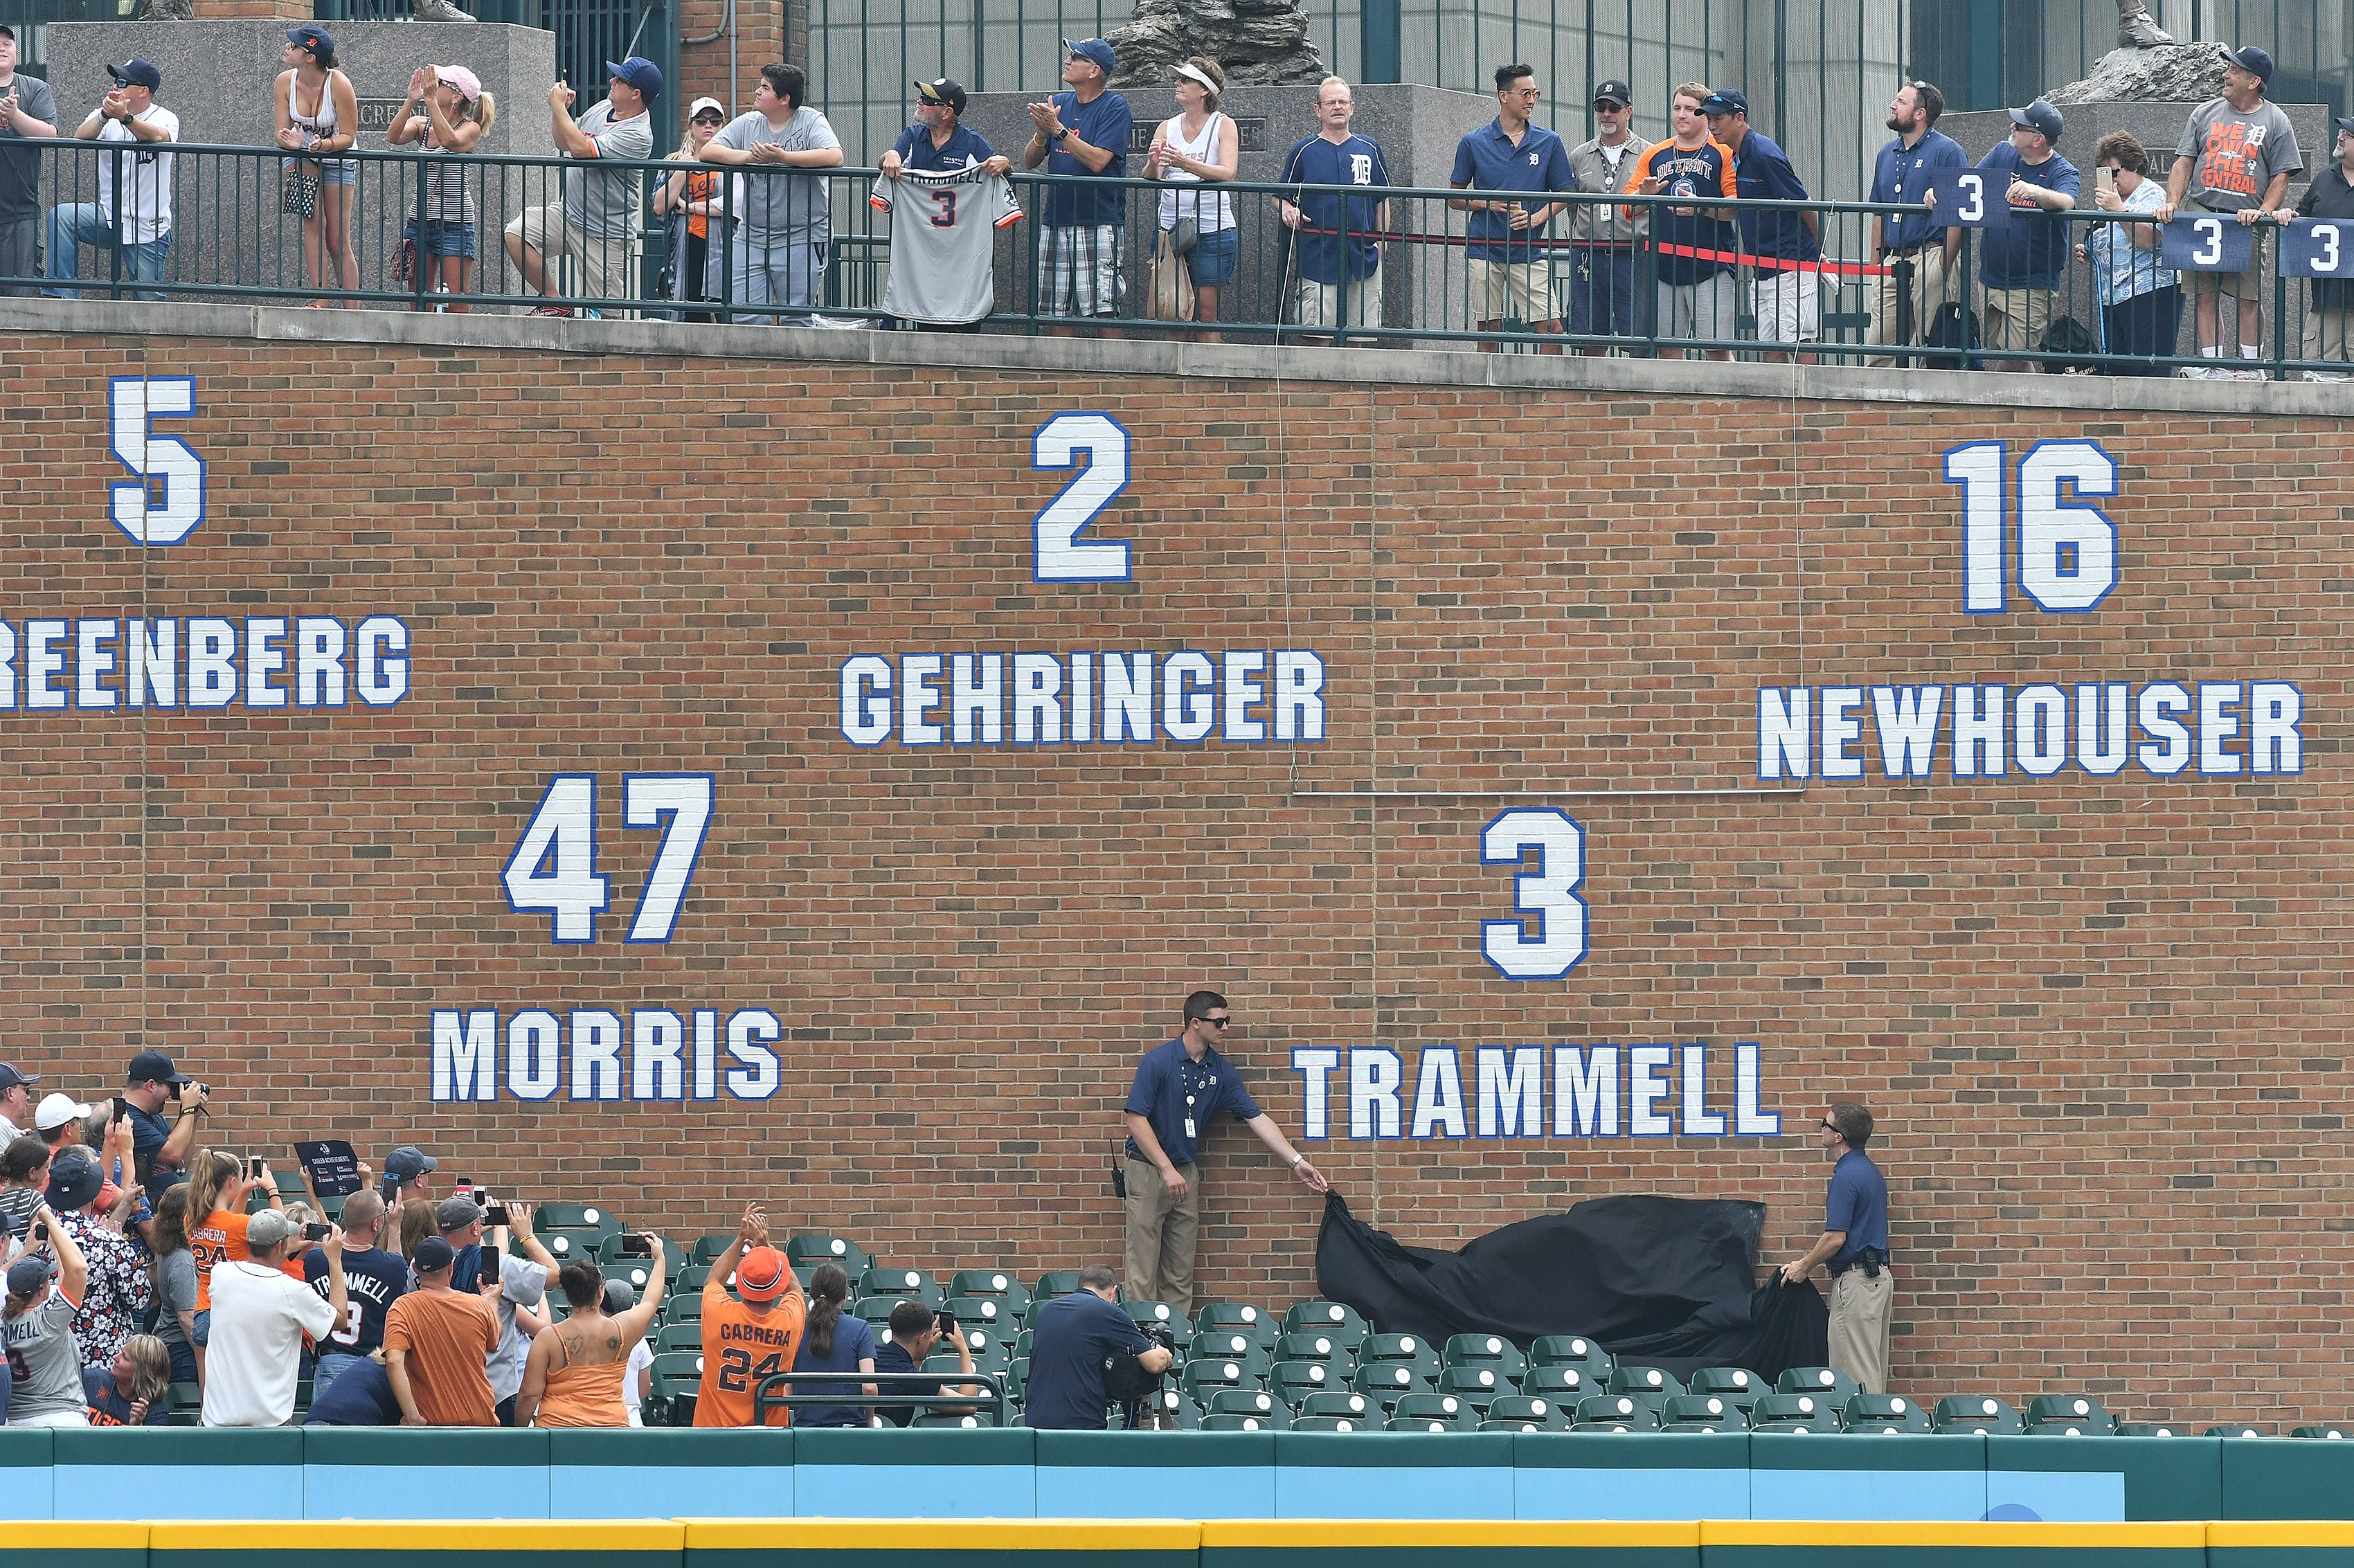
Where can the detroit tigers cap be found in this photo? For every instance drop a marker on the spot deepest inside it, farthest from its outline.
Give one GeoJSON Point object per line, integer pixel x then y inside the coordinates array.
{"type": "Point", "coordinates": [2041, 116]}
{"type": "Point", "coordinates": [406, 1163]}
{"type": "Point", "coordinates": [313, 40]}
{"type": "Point", "coordinates": [433, 1255]}
{"type": "Point", "coordinates": [761, 1274]}
{"type": "Point", "coordinates": [74, 1180]}
{"type": "Point", "coordinates": [27, 1274]}
{"type": "Point", "coordinates": [456, 1213]}
{"type": "Point", "coordinates": [154, 1068]}
{"type": "Point", "coordinates": [1610, 90]}
{"type": "Point", "coordinates": [696, 109]}
{"type": "Point", "coordinates": [639, 72]}
{"type": "Point", "coordinates": [1725, 100]}
{"type": "Point", "coordinates": [1094, 50]}
{"type": "Point", "coordinates": [137, 73]}
{"type": "Point", "coordinates": [2256, 62]}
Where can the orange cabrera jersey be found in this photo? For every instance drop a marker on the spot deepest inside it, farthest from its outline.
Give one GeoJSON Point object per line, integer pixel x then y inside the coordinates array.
{"type": "Point", "coordinates": [740, 1347]}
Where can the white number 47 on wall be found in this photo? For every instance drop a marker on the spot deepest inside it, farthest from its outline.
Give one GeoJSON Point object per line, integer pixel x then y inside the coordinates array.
{"type": "Point", "coordinates": [554, 866]}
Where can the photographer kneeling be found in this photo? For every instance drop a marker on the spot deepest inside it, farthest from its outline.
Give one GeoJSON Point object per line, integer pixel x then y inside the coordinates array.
{"type": "Point", "coordinates": [915, 1329]}
{"type": "Point", "coordinates": [1075, 1343]}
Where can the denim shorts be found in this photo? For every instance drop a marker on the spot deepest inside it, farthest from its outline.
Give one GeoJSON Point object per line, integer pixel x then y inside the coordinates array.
{"type": "Point", "coordinates": [442, 239]}
{"type": "Point", "coordinates": [331, 171]}
{"type": "Point", "coordinates": [1211, 259]}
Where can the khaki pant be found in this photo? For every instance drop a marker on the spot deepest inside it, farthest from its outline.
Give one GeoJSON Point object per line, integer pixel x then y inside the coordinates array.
{"type": "Point", "coordinates": [2013, 320]}
{"type": "Point", "coordinates": [1160, 1235]}
{"type": "Point", "coordinates": [2329, 335]}
{"type": "Point", "coordinates": [1930, 290]}
{"type": "Point", "coordinates": [1859, 1314]}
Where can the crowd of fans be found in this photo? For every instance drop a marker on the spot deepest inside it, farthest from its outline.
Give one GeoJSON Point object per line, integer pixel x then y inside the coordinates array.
{"type": "Point", "coordinates": [751, 226]}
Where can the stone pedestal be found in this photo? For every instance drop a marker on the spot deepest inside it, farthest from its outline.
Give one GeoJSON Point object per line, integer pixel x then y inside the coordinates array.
{"type": "Point", "coordinates": [218, 78]}
{"type": "Point", "coordinates": [1417, 128]}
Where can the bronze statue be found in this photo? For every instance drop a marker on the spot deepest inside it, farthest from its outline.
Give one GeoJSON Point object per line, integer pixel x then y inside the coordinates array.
{"type": "Point", "coordinates": [2138, 29]}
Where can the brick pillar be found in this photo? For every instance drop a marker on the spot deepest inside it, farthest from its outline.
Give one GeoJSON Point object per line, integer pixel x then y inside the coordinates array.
{"type": "Point", "coordinates": [760, 38]}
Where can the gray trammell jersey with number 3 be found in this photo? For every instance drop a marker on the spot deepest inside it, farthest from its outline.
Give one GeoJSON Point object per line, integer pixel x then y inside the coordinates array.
{"type": "Point", "coordinates": [943, 237]}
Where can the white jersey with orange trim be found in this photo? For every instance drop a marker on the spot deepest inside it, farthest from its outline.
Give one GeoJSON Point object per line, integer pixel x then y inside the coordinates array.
{"type": "Point", "coordinates": [943, 240]}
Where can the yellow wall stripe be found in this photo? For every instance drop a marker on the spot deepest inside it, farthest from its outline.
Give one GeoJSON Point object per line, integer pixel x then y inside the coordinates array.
{"type": "Point", "coordinates": [1441, 1533]}
{"type": "Point", "coordinates": [2184, 1535]}
{"type": "Point", "coordinates": [470, 1536]}
{"type": "Point", "coordinates": [944, 1534]}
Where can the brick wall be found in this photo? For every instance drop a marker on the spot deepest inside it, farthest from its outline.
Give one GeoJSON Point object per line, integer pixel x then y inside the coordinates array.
{"type": "Point", "coordinates": [2102, 1021]}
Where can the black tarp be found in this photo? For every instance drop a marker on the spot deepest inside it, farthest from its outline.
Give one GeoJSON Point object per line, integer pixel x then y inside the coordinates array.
{"type": "Point", "coordinates": [1663, 1282]}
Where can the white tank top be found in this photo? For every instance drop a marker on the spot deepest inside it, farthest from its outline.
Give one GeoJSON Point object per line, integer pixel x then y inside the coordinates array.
{"type": "Point", "coordinates": [320, 123]}
{"type": "Point", "coordinates": [1209, 210]}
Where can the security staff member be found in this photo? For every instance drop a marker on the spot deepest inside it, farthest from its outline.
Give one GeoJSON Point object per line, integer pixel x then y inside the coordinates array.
{"type": "Point", "coordinates": [1855, 1243]}
{"type": "Point", "coordinates": [1180, 1087]}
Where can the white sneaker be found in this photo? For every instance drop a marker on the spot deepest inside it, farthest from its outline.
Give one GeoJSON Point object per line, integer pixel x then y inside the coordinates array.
{"type": "Point", "coordinates": [2327, 376]}
{"type": "Point", "coordinates": [2196, 372]}
{"type": "Point", "coordinates": [2246, 375]}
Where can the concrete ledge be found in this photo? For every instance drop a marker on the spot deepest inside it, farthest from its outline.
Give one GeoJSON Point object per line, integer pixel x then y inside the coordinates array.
{"type": "Point", "coordinates": [1373, 368]}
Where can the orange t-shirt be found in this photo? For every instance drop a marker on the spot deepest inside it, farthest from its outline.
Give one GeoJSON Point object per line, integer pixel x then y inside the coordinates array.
{"type": "Point", "coordinates": [740, 1347]}
{"type": "Point", "coordinates": [220, 1239]}
{"type": "Point", "coordinates": [446, 1338]}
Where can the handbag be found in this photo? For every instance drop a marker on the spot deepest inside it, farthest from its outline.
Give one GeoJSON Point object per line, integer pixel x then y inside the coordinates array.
{"type": "Point", "coordinates": [301, 198]}
{"type": "Point", "coordinates": [1172, 296]}
{"type": "Point", "coordinates": [1185, 236]}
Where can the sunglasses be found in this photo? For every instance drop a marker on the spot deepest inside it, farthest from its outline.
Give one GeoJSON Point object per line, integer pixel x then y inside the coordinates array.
{"type": "Point", "coordinates": [1218, 1022]}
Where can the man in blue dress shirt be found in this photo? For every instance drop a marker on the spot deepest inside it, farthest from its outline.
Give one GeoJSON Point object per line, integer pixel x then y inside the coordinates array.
{"type": "Point", "coordinates": [1511, 257]}
{"type": "Point", "coordinates": [1855, 1243]}
{"type": "Point", "coordinates": [1179, 1088]}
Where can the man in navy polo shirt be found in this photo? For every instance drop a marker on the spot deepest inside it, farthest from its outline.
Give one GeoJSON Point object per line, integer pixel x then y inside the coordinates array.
{"type": "Point", "coordinates": [1918, 251]}
{"type": "Point", "coordinates": [164, 1106]}
{"type": "Point", "coordinates": [1070, 1337]}
{"type": "Point", "coordinates": [1786, 301]}
{"type": "Point", "coordinates": [1855, 1243]}
{"type": "Point", "coordinates": [1085, 131]}
{"type": "Point", "coordinates": [1179, 1088]}
{"type": "Point", "coordinates": [1511, 264]}
{"type": "Point", "coordinates": [938, 142]}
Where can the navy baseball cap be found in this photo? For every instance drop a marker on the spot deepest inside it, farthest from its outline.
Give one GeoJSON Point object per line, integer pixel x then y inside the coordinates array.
{"type": "Point", "coordinates": [1095, 49]}
{"type": "Point", "coordinates": [74, 1180]}
{"type": "Point", "coordinates": [154, 1067]}
{"type": "Point", "coordinates": [2345, 123]}
{"type": "Point", "coordinates": [9, 31]}
{"type": "Point", "coordinates": [407, 1162]}
{"type": "Point", "coordinates": [10, 1078]}
{"type": "Point", "coordinates": [27, 1274]}
{"type": "Point", "coordinates": [639, 72]}
{"type": "Point", "coordinates": [1610, 90]}
{"type": "Point", "coordinates": [1725, 100]}
{"type": "Point", "coordinates": [2254, 61]}
{"type": "Point", "coordinates": [137, 73]}
{"type": "Point", "coordinates": [314, 40]}
{"type": "Point", "coordinates": [2041, 116]}
{"type": "Point", "coordinates": [433, 1255]}
{"type": "Point", "coordinates": [942, 92]}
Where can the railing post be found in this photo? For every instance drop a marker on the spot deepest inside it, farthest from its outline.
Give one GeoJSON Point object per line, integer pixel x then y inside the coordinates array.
{"type": "Point", "coordinates": [420, 285]}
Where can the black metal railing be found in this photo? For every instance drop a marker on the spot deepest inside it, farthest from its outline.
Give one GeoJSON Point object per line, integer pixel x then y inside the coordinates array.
{"type": "Point", "coordinates": [988, 1402]}
{"type": "Point", "coordinates": [1645, 276]}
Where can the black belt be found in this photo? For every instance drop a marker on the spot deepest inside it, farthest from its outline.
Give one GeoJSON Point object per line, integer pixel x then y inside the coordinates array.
{"type": "Point", "coordinates": [1872, 1260]}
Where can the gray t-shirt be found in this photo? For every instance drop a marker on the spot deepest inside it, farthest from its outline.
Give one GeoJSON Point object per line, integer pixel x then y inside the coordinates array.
{"type": "Point", "coordinates": [778, 206]}
{"type": "Point", "coordinates": [2236, 155]}
{"type": "Point", "coordinates": [605, 203]}
{"type": "Point", "coordinates": [45, 1358]}
{"type": "Point", "coordinates": [20, 161]}
{"type": "Point", "coordinates": [522, 1282]}
{"type": "Point", "coordinates": [175, 1292]}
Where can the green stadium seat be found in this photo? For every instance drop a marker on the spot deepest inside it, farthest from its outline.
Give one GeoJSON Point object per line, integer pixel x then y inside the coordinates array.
{"type": "Point", "coordinates": [1707, 1409]}
{"type": "Point", "coordinates": [1485, 1350]}
{"type": "Point", "coordinates": [1393, 1349]}
{"type": "Point", "coordinates": [1159, 1312]}
{"type": "Point", "coordinates": [1177, 1413]}
{"type": "Point", "coordinates": [1237, 1317]}
{"type": "Point", "coordinates": [564, 1245]}
{"type": "Point", "coordinates": [1643, 1380]}
{"type": "Point", "coordinates": [2328, 1434]}
{"type": "Point", "coordinates": [1199, 1378]}
{"type": "Point", "coordinates": [675, 1378]}
{"type": "Point", "coordinates": [824, 1249]}
{"type": "Point", "coordinates": [991, 1312]}
{"type": "Point", "coordinates": [934, 1422]}
{"type": "Point", "coordinates": [1694, 1428]}
{"type": "Point", "coordinates": [2148, 1429]}
{"type": "Point", "coordinates": [990, 1352]}
{"type": "Point", "coordinates": [1572, 1351]}
{"type": "Point", "coordinates": [905, 1284]}
{"type": "Point", "coordinates": [1391, 1379]}
{"type": "Point", "coordinates": [1296, 1381]}
{"type": "Point", "coordinates": [1244, 1401]}
{"type": "Point", "coordinates": [1618, 1409]}
{"type": "Point", "coordinates": [1775, 1412]}
{"type": "Point", "coordinates": [1056, 1282]}
{"type": "Point", "coordinates": [678, 1336]}
{"type": "Point", "coordinates": [1479, 1384]}
{"type": "Point", "coordinates": [679, 1307]}
{"type": "Point", "coordinates": [1436, 1407]}
{"type": "Point", "coordinates": [707, 1248]}
{"type": "Point", "coordinates": [1977, 1412]}
{"type": "Point", "coordinates": [1355, 1407]}
{"type": "Point", "coordinates": [1425, 1424]}
{"type": "Point", "coordinates": [1880, 1414]}
{"type": "Point", "coordinates": [1016, 1377]}
{"type": "Point", "coordinates": [1519, 1411]}
{"type": "Point", "coordinates": [1561, 1384]}
{"type": "Point", "coordinates": [1736, 1385]}
{"type": "Point", "coordinates": [692, 1279]}
{"type": "Point", "coordinates": [1335, 1424]}
{"type": "Point", "coordinates": [2069, 1414]}
{"type": "Point", "coordinates": [639, 1270]}
{"type": "Point", "coordinates": [187, 1405]}
{"type": "Point", "coordinates": [1311, 1346]}
{"type": "Point", "coordinates": [2237, 1431]}
{"type": "Point", "coordinates": [1276, 1420]}
{"type": "Point", "coordinates": [1328, 1318]}
{"type": "Point", "coordinates": [597, 1218]}
{"type": "Point", "coordinates": [1003, 1284]}
{"type": "Point", "coordinates": [1821, 1382]}
{"type": "Point", "coordinates": [1225, 1344]}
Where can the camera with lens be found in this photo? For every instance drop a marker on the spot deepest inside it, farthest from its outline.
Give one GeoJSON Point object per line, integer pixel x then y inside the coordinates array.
{"type": "Point", "coordinates": [1160, 1334]}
